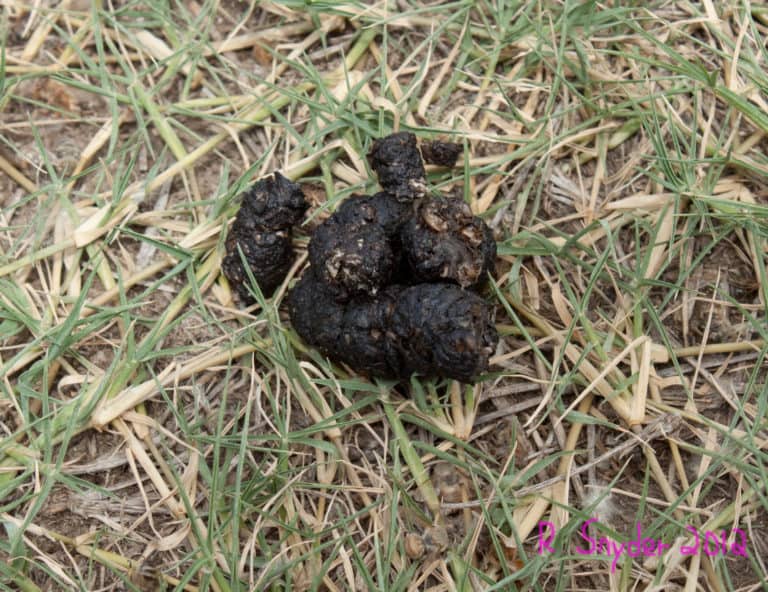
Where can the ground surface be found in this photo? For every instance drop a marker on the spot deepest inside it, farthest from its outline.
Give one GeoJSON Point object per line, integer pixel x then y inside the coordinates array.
{"type": "Point", "coordinates": [155, 435]}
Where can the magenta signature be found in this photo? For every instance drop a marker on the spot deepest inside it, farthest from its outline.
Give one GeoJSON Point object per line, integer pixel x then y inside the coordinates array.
{"type": "Point", "coordinates": [711, 543]}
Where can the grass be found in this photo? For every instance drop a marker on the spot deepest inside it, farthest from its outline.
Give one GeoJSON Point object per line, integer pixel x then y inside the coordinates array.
{"type": "Point", "coordinates": [156, 435]}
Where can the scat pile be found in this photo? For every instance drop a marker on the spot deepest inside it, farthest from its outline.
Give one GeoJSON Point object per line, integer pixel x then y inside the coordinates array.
{"type": "Point", "coordinates": [388, 290]}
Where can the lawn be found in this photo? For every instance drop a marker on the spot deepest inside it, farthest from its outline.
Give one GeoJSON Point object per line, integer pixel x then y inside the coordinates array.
{"type": "Point", "coordinates": [157, 433]}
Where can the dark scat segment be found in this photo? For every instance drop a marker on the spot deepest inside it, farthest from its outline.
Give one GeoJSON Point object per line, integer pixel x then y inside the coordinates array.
{"type": "Point", "coordinates": [381, 209]}
{"type": "Point", "coordinates": [442, 330]}
{"type": "Point", "coordinates": [443, 241]}
{"type": "Point", "coordinates": [351, 253]}
{"type": "Point", "coordinates": [262, 230]}
{"type": "Point", "coordinates": [353, 333]}
{"type": "Point", "coordinates": [430, 329]}
{"type": "Point", "coordinates": [269, 255]}
{"type": "Point", "coordinates": [273, 203]}
{"type": "Point", "coordinates": [397, 162]}
{"type": "Point", "coordinates": [387, 213]}
{"type": "Point", "coordinates": [441, 153]}
{"type": "Point", "coordinates": [315, 314]}
{"type": "Point", "coordinates": [365, 344]}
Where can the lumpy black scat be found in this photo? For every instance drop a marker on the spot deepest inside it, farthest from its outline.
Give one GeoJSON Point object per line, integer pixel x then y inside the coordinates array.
{"type": "Point", "coordinates": [389, 287]}
{"type": "Point", "coordinates": [430, 329]}
{"type": "Point", "coordinates": [262, 231]}
{"type": "Point", "coordinates": [443, 241]}
{"type": "Point", "coordinates": [441, 153]}
{"type": "Point", "coordinates": [397, 162]}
